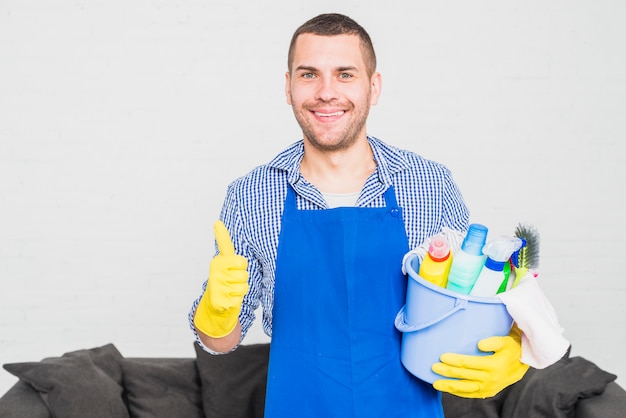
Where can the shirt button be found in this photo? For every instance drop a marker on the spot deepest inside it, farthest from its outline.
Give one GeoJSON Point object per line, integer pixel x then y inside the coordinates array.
{"type": "Point", "coordinates": [395, 212]}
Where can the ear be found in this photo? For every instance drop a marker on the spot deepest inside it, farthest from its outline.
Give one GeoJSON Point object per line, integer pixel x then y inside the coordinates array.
{"type": "Point", "coordinates": [288, 87]}
{"type": "Point", "coordinates": [376, 84]}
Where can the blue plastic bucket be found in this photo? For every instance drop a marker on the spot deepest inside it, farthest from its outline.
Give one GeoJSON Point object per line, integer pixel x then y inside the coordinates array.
{"type": "Point", "coordinates": [435, 320]}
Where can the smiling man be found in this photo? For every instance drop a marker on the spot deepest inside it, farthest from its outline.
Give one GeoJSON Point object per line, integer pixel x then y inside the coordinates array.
{"type": "Point", "coordinates": [331, 86]}
{"type": "Point", "coordinates": [318, 237]}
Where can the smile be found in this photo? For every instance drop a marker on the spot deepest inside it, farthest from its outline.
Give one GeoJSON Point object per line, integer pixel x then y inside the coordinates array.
{"type": "Point", "coordinates": [328, 115]}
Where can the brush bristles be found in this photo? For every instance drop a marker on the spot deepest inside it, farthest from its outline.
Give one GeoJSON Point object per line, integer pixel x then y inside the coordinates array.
{"type": "Point", "coordinates": [529, 254]}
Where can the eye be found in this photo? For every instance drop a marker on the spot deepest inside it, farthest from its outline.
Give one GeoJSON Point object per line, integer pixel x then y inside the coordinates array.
{"type": "Point", "coordinates": [345, 76]}
{"type": "Point", "coordinates": [308, 76]}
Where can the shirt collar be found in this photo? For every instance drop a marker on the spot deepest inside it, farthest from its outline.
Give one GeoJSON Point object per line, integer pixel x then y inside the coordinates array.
{"type": "Point", "coordinates": [389, 160]}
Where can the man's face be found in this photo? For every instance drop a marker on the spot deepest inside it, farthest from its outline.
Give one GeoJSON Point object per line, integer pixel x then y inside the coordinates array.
{"type": "Point", "coordinates": [330, 90]}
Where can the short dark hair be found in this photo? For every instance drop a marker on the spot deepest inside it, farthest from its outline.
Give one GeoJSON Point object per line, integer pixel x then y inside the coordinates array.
{"type": "Point", "coordinates": [332, 24]}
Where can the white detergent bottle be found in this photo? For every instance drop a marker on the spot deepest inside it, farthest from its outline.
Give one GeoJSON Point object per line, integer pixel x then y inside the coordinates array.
{"type": "Point", "coordinates": [468, 260]}
{"type": "Point", "coordinates": [498, 253]}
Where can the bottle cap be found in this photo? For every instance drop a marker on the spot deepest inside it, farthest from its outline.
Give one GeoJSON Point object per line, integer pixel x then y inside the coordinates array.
{"type": "Point", "coordinates": [439, 250]}
{"type": "Point", "coordinates": [494, 265]}
{"type": "Point", "coordinates": [475, 239]}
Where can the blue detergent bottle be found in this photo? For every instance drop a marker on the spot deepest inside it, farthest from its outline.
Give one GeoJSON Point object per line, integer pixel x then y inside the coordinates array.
{"type": "Point", "coordinates": [468, 261]}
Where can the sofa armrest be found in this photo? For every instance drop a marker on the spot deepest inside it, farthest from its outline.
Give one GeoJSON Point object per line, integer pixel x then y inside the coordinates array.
{"type": "Point", "coordinates": [21, 400]}
{"type": "Point", "coordinates": [611, 404]}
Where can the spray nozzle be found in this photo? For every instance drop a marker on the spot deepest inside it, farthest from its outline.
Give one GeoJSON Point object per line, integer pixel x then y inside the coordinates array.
{"type": "Point", "coordinates": [501, 248]}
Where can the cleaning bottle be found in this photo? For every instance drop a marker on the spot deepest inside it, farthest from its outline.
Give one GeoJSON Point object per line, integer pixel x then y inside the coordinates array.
{"type": "Point", "coordinates": [498, 253]}
{"type": "Point", "coordinates": [436, 264]}
{"type": "Point", "coordinates": [468, 260]}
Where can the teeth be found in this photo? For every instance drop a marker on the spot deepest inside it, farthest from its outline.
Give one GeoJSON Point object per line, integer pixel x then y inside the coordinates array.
{"type": "Point", "coordinates": [326, 115]}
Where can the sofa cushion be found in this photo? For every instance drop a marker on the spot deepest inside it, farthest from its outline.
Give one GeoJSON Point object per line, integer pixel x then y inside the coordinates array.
{"type": "Point", "coordinates": [106, 357]}
{"type": "Point", "coordinates": [551, 392]}
{"type": "Point", "coordinates": [233, 384]}
{"type": "Point", "coordinates": [555, 390]}
{"type": "Point", "coordinates": [162, 388]}
{"type": "Point", "coordinates": [73, 386]}
{"type": "Point", "coordinates": [21, 401]}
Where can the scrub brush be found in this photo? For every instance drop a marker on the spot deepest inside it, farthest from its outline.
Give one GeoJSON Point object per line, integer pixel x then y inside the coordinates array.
{"type": "Point", "coordinates": [528, 256]}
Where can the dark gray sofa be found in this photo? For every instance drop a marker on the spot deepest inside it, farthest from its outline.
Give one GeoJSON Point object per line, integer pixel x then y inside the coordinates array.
{"type": "Point", "coordinates": [100, 382]}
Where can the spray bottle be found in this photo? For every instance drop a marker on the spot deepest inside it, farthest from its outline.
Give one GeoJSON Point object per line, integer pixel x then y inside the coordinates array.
{"type": "Point", "coordinates": [436, 264]}
{"type": "Point", "coordinates": [498, 253]}
{"type": "Point", "coordinates": [468, 260]}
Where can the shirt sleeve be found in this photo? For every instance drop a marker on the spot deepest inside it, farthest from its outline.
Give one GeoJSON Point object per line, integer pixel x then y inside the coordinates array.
{"type": "Point", "coordinates": [455, 213]}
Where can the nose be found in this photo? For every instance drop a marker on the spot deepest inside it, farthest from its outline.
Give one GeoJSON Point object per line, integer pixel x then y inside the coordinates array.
{"type": "Point", "coordinates": [327, 90]}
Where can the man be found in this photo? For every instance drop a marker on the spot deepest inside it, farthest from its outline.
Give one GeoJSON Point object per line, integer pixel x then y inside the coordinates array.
{"type": "Point", "coordinates": [318, 236]}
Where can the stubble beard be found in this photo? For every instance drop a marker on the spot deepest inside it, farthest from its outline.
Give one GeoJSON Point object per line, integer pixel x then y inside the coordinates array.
{"type": "Point", "coordinates": [332, 141]}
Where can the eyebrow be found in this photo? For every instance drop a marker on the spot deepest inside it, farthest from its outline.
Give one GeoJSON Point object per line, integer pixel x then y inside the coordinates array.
{"type": "Point", "coordinates": [348, 68]}
{"type": "Point", "coordinates": [338, 69]}
{"type": "Point", "coordinates": [305, 68]}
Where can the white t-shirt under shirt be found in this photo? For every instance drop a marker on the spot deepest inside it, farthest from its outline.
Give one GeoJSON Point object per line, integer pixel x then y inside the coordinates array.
{"type": "Point", "coordinates": [335, 200]}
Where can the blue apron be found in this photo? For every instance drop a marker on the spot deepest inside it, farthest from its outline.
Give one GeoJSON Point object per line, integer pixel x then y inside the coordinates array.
{"type": "Point", "coordinates": [335, 351]}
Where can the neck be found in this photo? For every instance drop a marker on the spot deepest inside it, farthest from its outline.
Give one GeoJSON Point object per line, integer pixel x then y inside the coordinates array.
{"type": "Point", "coordinates": [340, 171]}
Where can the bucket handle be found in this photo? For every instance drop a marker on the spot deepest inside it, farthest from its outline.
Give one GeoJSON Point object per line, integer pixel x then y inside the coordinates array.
{"type": "Point", "coordinates": [402, 326]}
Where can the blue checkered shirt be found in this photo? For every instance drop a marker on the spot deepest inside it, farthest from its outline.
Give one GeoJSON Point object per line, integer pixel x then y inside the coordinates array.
{"type": "Point", "coordinates": [252, 210]}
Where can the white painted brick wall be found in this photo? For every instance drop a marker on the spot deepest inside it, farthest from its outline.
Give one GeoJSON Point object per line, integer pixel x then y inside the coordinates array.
{"type": "Point", "coordinates": [121, 123]}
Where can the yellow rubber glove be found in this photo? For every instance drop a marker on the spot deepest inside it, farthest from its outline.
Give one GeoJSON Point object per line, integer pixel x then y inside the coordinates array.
{"type": "Point", "coordinates": [483, 376]}
{"type": "Point", "coordinates": [217, 313]}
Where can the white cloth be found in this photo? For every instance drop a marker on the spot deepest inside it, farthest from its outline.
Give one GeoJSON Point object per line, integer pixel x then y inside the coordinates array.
{"type": "Point", "coordinates": [542, 341]}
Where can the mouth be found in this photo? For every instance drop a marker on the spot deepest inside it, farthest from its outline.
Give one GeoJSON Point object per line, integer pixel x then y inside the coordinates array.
{"type": "Point", "coordinates": [329, 115]}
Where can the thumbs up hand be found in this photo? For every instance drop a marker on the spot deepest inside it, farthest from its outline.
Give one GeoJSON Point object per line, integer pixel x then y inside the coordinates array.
{"type": "Point", "coordinates": [217, 313]}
